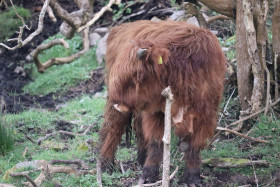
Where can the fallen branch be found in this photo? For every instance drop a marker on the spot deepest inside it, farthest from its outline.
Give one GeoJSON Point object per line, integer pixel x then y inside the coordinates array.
{"type": "Point", "coordinates": [233, 162]}
{"type": "Point", "coordinates": [39, 141]}
{"type": "Point", "coordinates": [35, 33]}
{"type": "Point", "coordinates": [243, 119]}
{"type": "Point", "coordinates": [47, 169]}
{"type": "Point", "coordinates": [217, 17]}
{"type": "Point", "coordinates": [24, 175]}
{"type": "Point", "coordinates": [160, 181]}
{"type": "Point", "coordinates": [98, 170]}
{"type": "Point", "coordinates": [98, 15]}
{"type": "Point", "coordinates": [242, 135]}
{"type": "Point", "coordinates": [63, 60]}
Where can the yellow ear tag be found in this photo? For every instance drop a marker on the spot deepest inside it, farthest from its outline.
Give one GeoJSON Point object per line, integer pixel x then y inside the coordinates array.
{"type": "Point", "coordinates": [160, 61]}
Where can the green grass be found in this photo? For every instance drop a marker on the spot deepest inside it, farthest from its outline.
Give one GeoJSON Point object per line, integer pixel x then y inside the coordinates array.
{"type": "Point", "coordinates": [6, 139]}
{"type": "Point", "coordinates": [61, 77]}
{"type": "Point", "coordinates": [265, 128]}
{"type": "Point", "coordinates": [36, 123]}
{"type": "Point", "coordinates": [10, 22]}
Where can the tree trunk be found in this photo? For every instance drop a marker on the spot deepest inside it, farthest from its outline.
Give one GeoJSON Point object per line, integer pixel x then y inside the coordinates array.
{"type": "Point", "coordinates": [244, 68]}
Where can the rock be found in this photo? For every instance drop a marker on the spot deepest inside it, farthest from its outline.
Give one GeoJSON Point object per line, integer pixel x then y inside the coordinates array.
{"type": "Point", "coordinates": [20, 70]}
{"type": "Point", "coordinates": [94, 38]}
{"type": "Point", "coordinates": [101, 49]}
{"type": "Point", "coordinates": [101, 31]}
{"type": "Point", "coordinates": [177, 15]}
{"type": "Point", "coordinates": [193, 21]}
{"type": "Point", "coordinates": [155, 19]}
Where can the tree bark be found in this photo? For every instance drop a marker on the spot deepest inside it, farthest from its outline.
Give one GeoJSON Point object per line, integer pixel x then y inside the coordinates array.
{"type": "Point", "coordinates": [276, 43]}
{"type": "Point", "coordinates": [244, 78]}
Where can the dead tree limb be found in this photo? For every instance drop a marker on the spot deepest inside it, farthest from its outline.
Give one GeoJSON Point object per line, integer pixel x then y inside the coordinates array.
{"type": "Point", "coordinates": [24, 175]}
{"type": "Point", "coordinates": [99, 176]}
{"type": "Point", "coordinates": [98, 15]}
{"type": "Point", "coordinates": [41, 67]}
{"type": "Point", "coordinates": [166, 137]}
{"type": "Point", "coordinates": [217, 17]}
{"type": "Point", "coordinates": [35, 33]}
{"type": "Point", "coordinates": [243, 119]}
{"type": "Point", "coordinates": [242, 135]}
{"type": "Point", "coordinates": [233, 162]}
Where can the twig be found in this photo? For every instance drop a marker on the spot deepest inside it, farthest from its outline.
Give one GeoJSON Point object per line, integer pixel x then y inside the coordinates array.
{"type": "Point", "coordinates": [30, 139]}
{"type": "Point", "coordinates": [89, 128]}
{"type": "Point", "coordinates": [276, 77]}
{"type": "Point", "coordinates": [255, 175]}
{"type": "Point", "coordinates": [167, 136]}
{"type": "Point", "coordinates": [241, 120]}
{"type": "Point", "coordinates": [98, 170]}
{"type": "Point", "coordinates": [98, 15]}
{"type": "Point", "coordinates": [160, 181]}
{"type": "Point", "coordinates": [35, 33]}
{"type": "Point", "coordinates": [225, 108]}
{"type": "Point", "coordinates": [24, 175]}
{"type": "Point", "coordinates": [121, 165]}
{"type": "Point", "coordinates": [242, 135]}
{"type": "Point", "coordinates": [214, 18]}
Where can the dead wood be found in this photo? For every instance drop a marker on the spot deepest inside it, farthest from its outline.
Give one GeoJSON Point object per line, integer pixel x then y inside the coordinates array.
{"type": "Point", "coordinates": [243, 119]}
{"type": "Point", "coordinates": [166, 137]}
{"type": "Point", "coordinates": [32, 35]}
{"type": "Point", "coordinates": [225, 7]}
{"type": "Point", "coordinates": [41, 139]}
{"type": "Point", "coordinates": [24, 175]}
{"type": "Point", "coordinates": [233, 162]}
{"type": "Point", "coordinates": [99, 172]}
{"type": "Point", "coordinates": [242, 135]}
{"type": "Point", "coordinates": [98, 15]}
{"type": "Point", "coordinates": [48, 169]}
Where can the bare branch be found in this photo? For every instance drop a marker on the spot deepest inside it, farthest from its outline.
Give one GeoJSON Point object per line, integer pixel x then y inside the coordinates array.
{"type": "Point", "coordinates": [217, 17]}
{"type": "Point", "coordinates": [35, 33]}
{"type": "Point", "coordinates": [225, 7]}
{"type": "Point", "coordinates": [63, 60]}
{"type": "Point", "coordinates": [62, 13]}
{"type": "Point", "coordinates": [51, 15]}
{"type": "Point", "coordinates": [167, 137]}
{"type": "Point", "coordinates": [24, 175]}
{"type": "Point", "coordinates": [98, 15]}
{"type": "Point", "coordinates": [242, 135]}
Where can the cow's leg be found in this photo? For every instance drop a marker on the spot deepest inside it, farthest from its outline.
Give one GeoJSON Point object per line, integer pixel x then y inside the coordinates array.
{"type": "Point", "coordinates": [141, 142]}
{"type": "Point", "coordinates": [192, 170]}
{"type": "Point", "coordinates": [111, 134]}
{"type": "Point", "coordinates": [193, 134]}
{"type": "Point", "coordinates": [153, 128]}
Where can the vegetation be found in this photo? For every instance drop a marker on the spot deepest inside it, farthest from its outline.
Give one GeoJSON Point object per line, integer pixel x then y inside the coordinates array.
{"type": "Point", "coordinates": [61, 78]}
{"type": "Point", "coordinates": [6, 139]}
{"type": "Point", "coordinates": [10, 22]}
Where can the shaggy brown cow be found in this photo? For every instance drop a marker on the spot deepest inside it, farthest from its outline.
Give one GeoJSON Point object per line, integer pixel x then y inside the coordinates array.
{"type": "Point", "coordinates": [142, 59]}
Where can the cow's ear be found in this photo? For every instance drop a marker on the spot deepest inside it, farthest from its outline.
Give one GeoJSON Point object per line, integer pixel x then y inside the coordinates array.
{"type": "Point", "coordinates": [160, 55]}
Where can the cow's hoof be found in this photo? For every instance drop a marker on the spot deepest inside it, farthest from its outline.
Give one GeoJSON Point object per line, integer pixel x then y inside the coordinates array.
{"type": "Point", "coordinates": [192, 178]}
{"type": "Point", "coordinates": [149, 175]}
{"type": "Point", "coordinates": [107, 166]}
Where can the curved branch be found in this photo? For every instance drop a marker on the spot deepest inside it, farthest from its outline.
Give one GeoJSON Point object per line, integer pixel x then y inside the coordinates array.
{"type": "Point", "coordinates": [98, 15]}
{"type": "Point", "coordinates": [35, 33]}
{"type": "Point", "coordinates": [225, 7]}
{"type": "Point", "coordinates": [41, 67]}
{"type": "Point", "coordinates": [217, 17]}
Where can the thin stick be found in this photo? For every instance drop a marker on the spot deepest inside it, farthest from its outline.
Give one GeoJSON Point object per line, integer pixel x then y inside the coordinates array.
{"type": "Point", "coordinates": [98, 170]}
{"type": "Point", "coordinates": [225, 108]}
{"type": "Point", "coordinates": [24, 175]}
{"type": "Point", "coordinates": [242, 135]}
{"type": "Point", "coordinates": [255, 175]}
{"type": "Point", "coordinates": [166, 137]}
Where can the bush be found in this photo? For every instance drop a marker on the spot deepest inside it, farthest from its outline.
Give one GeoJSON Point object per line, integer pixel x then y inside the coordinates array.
{"type": "Point", "coordinates": [10, 22]}
{"type": "Point", "coordinates": [6, 139]}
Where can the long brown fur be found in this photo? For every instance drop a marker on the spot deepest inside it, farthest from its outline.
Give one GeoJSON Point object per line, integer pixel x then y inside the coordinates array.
{"type": "Point", "coordinates": [193, 66]}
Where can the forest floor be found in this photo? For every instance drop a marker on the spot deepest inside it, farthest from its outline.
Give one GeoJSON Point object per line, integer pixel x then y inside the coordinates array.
{"type": "Point", "coordinates": [72, 98]}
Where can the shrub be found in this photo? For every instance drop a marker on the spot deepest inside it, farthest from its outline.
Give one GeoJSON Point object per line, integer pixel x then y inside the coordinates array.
{"type": "Point", "coordinates": [10, 22]}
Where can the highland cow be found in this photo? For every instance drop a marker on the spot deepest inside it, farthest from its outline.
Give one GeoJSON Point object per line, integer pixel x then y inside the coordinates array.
{"type": "Point", "coordinates": [142, 59]}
